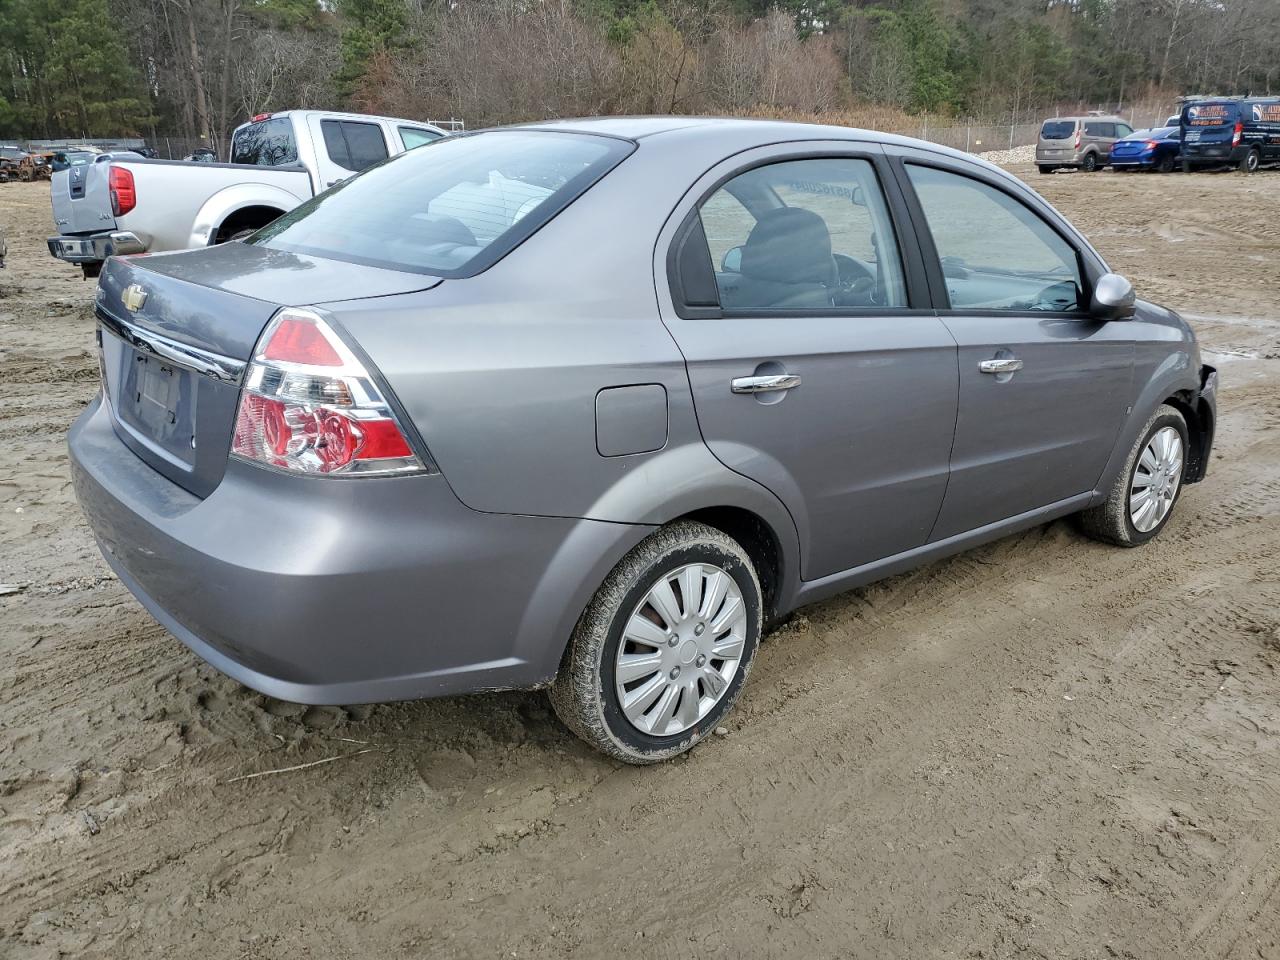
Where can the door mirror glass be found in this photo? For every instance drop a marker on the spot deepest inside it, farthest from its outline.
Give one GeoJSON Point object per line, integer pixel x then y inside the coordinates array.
{"type": "Point", "coordinates": [1113, 298]}
{"type": "Point", "coordinates": [732, 262]}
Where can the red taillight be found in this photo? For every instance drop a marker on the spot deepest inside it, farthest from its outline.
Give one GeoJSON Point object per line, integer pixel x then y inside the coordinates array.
{"type": "Point", "coordinates": [1237, 133]}
{"type": "Point", "coordinates": [1153, 144]}
{"type": "Point", "coordinates": [123, 196]}
{"type": "Point", "coordinates": [1077, 138]}
{"type": "Point", "coordinates": [309, 406]}
{"type": "Point", "coordinates": [300, 341]}
{"type": "Point", "coordinates": [259, 117]}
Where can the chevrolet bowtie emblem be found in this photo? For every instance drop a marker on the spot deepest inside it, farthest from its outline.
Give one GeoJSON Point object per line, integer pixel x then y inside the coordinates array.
{"type": "Point", "coordinates": [135, 295]}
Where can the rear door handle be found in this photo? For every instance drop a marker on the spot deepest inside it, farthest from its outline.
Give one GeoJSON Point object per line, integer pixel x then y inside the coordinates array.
{"type": "Point", "coordinates": [1002, 365]}
{"type": "Point", "coordinates": [767, 384]}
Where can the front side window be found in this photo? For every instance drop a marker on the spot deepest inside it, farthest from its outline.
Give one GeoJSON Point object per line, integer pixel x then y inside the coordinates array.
{"type": "Point", "coordinates": [269, 143]}
{"type": "Point", "coordinates": [1123, 130]}
{"type": "Point", "coordinates": [451, 210]}
{"type": "Point", "coordinates": [416, 136]}
{"type": "Point", "coordinates": [995, 252]}
{"type": "Point", "coordinates": [803, 234]}
{"type": "Point", "coordinates": [352, 144]}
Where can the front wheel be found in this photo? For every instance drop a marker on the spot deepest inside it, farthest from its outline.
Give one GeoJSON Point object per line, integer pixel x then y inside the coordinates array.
{"type": "Point", "coordinates": [1142, 497]}
{"type": "Point", "coordinates": [661, 652]}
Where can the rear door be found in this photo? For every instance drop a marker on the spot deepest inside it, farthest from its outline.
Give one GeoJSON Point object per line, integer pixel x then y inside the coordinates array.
{"type": "Point", "coordinates": [817, 367]}
{"type": "Point", "coordinates": [1043, 385]}
{"type": "Point", "coordinates": [345, 147]}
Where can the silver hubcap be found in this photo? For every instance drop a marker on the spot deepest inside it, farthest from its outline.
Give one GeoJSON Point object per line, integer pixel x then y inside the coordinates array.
{"type": "Point", "coordinates": [680, 649]}
{"type": "Point", "coordinates": [1156, 479]}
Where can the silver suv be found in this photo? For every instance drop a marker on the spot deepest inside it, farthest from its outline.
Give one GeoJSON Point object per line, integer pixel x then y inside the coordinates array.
{"type": "Point", "coordinates": [1078, 142]}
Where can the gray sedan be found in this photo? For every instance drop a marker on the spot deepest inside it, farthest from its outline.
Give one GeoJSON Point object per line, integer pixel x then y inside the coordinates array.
{"type": "Point", "coordinates": [589, 404]}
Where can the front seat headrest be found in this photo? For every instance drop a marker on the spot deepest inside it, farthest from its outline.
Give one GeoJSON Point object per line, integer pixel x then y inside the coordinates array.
{"type": "Point", "coordinates": [789, 245]}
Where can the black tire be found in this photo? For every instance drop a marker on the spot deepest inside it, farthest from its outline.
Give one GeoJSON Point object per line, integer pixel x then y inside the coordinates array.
{"type": "Point", "coordinates": [1045, 168]}
{"type": "Point", "coordinates": [1090, 163]}
{"type": "Point", "coordinates": [1110, 521]}
{"type": "Point", "coordinates": [1250, 162]}
{"type": "Point", "coordinates": [583, 693]}
{"type": "Point", "coordinates": [1186, 166]}
{"type": "Point", "coordinates": [1166, 164]}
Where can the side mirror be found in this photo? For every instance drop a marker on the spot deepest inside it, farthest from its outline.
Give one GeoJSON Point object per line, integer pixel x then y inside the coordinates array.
{"type": "Point", "coordinates": [1113, 298]}
{"type": "Point", "coordinates": [732, 261]}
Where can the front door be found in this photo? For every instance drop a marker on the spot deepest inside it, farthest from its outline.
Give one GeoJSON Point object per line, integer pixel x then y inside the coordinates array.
{"type": "Point", "coordinates": [1043, 385]}
{"type": "Point", "coordinates": [816, 365]}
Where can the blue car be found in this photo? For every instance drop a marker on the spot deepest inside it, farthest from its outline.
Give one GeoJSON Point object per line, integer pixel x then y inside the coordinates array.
{"type": "Point", "coordinates": [1157, 150]}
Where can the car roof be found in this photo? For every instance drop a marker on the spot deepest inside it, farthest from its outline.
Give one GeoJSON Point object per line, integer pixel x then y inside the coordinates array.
{"type": "Point", "coordinates": [1109, 118]}
{"type": "Point", "coordinates": [758, 132]}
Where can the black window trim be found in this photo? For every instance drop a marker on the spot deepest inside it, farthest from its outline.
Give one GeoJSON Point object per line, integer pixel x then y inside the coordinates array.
{"type": "Point", "coordinates": [1089, 272]}
{"type": "Point", "coordinates": [912, 258]}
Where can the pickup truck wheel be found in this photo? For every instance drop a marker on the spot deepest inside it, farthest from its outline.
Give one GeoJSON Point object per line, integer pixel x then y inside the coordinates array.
{"type": "Point", "coordinates": [1142, 497]}
{"type": "Point", "coordinates": [661, 652]}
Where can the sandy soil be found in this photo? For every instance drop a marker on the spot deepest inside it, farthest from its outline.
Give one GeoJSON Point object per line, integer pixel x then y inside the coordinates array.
{"type": "Point", "coordinates": [1042, 748]}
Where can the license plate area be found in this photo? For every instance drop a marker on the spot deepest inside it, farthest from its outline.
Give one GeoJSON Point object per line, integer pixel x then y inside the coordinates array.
{"type": "Point", "coordinates": [74, 248]}
{"type": "Point", "coordinates": [153, 399]}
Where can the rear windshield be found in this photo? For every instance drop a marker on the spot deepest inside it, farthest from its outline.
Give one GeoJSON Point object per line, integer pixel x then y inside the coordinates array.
{"type": "Point", "coordinates": [1057, 129]}
{"type": "Point", "coordinates": [1211, 114]}
{"type": "Point", "coordinates": [269, 143]}
{"type": "Point", "coordinates": [449, 208]}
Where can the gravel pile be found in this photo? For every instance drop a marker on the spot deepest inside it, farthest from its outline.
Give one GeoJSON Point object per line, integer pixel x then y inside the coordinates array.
{"type": "Point", "coordinates": [1025, 154]}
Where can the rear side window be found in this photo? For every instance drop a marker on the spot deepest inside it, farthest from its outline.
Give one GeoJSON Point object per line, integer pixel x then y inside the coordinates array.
{"type": "Point", "coordinates": [416, 137]}
{"type": "Point", "coordinates": [452, 210]}
{"type": "Point", "coordinates": [267, 144]}
{"type": "Point", "coordinates": [804, 235]}
{"type": "Point", "coordinates": [995, 252]}
{"type": "Point", "coordinates": [352, 144]}
{"type": "Point", "coordinates": [1058, 130]}
{"type": "Point", "coordinates": [1095, 128]}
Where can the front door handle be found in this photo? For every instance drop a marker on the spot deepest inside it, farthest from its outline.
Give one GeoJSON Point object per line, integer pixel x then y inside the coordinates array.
{"type": "Point", "coordinates": [766, 384]}
{"type": "Point", "coordinates": [1000, 365]}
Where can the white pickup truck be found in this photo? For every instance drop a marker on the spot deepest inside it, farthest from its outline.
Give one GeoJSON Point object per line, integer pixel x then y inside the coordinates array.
{"type": "Point", "coordinates": [124, 203]}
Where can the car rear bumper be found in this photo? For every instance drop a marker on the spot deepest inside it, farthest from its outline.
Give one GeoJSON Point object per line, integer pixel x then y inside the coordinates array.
{"type": "Point", "coordinates": [342, 591]}
{"type": "Point", "coordinates": [1213, 155]}
{"type": "Point", "coordinates": [96, 247]}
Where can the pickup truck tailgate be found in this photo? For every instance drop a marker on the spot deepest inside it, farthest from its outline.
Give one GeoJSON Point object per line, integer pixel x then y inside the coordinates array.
{"type": "Point", "coordinates": [82, 199]}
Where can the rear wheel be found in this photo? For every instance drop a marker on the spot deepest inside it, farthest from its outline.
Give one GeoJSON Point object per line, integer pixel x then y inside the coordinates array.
{"type": "Point", "coordinates": [1250, 162]}
{"type": "Point", "coordinates": [1045, 168]}
{"type": "Point", "coordinates": [1090, 163]}
{"type": "Point", "coordinates": [1165, 164]}
{"type": "Point", "coordinates": [1141, 500]}
{"type": "Point", "coordinates": [660, 654]}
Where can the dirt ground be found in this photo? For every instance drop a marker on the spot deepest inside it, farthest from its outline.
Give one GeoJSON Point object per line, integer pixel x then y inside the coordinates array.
{"type": "Point", "coordinates": [1042, 748]}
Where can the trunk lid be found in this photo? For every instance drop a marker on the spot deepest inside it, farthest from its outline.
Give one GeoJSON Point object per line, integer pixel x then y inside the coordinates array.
{"type": "Point", "coordinates": [176, 332]}
{"type": "Point", "coordinates": [82, 199]}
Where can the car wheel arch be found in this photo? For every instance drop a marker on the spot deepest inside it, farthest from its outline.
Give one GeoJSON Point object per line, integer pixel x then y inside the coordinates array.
{"type": "Point", "coordinates": [1173, 382]}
